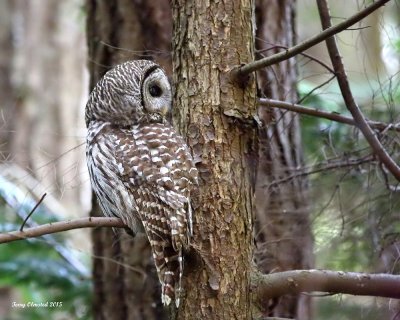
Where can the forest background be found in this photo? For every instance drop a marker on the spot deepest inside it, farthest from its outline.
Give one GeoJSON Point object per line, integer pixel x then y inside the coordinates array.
{"type": "Point", "coordinates": [352, 202]}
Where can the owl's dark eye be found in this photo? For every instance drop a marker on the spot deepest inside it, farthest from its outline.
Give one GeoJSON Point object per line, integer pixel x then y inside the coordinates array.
{"type": "Point", "coordinates": [155, 90]}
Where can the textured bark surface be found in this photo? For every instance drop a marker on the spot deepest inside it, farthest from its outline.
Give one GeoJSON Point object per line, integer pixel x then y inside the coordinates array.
{"type": "Point", "coordinates": [125, 283]}
{"type": "Point", "coordinates": [283, 232]}
{"type": "Point", "coordinates": [210, 39]}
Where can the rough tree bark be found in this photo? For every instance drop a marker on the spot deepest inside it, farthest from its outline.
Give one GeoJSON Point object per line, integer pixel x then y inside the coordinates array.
{"type": "Point", "coordinates": [125, 283]}
{"type": "Point", "coordinates": [211, 39]}
{"type": "Point", "coordinates": [283, 232]}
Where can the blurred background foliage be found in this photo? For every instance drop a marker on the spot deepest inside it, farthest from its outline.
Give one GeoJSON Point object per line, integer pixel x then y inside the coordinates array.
{"type": "Point", "coordinates": [355, 208]}
{"type": "Point", "coordinates": [42, 269]}
{"type": "Point", "coordinates": [356, 217]}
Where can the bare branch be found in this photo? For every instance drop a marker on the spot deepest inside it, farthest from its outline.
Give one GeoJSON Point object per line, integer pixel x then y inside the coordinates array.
{"type": "Point", "coordinates": [49, 228]}
{"type": "Point", "coordinates": [309, 56]}
{"type": "Point", "coordinates": [351, 105]}
{"type": "Point", "coordinates": [322, 36]}
{"type": "Point", "coordinates": [381, 126]}
{"type": "Point", "coordinates": [266, 286]}
{"type": "Point", "coordinates": [320, 168]}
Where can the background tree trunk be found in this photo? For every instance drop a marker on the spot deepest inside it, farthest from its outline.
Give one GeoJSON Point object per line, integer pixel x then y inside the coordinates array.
{"type": "Point", "coordinates": [125, 282]}
{"type": "Point", "coordinates": [210, 39]}
{"type": "Point", "coordinates": [283, 230]}
{"type": "Point", "coordinates": [40, 103]}
{"type": "Point", "coordinates": [7, 97]}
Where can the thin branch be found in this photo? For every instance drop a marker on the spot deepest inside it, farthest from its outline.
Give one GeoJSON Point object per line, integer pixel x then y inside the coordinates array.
{"type": "Point", "coordinates": [32, 211]}
{"type": "Point", "coordinates": [91, 222]}
{"type": "Point", "coordinates": [321, 168]}
{"type": "Point", "coordinates": [61, 155]}
{"type": "Point", "coordinates": [381, 126]}
{"type": "Point", "coordinates": [266, 286]}
{"type": "Point", "coordinates": [309, 56]}
{"type": "Point", "coordinates": [351, 105]}
{"type": "Point", "coordinates": [316, 88]}
{"type": "Point", "coordinates": [322, 36]}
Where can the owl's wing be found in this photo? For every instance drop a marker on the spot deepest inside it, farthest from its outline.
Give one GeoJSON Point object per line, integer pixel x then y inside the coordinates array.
{"type": "Point", "coordinates": [157, 171]}
{"type": "Point", "coordinates": [155, 165]}
{"type": "Point", "coordinates": [156, 156]}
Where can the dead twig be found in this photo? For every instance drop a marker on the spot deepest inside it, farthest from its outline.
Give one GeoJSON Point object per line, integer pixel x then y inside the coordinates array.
{"type": "Point", "coordinates": [32, 211]}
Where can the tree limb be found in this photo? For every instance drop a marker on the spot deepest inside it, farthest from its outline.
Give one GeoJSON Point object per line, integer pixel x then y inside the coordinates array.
{"type": "Point", "coordinates": [49, 228]}
{"type": "Point", "coordinates": [322, 36]}
{"type": "Point", "coordinates": [266, 286]}
{"type": "Point", "coordinates": [351, 105]}
{"type": "Point", "coordinates": [381, 126]}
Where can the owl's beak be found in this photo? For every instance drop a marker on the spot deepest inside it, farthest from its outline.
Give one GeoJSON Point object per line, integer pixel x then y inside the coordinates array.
{"type": "Point", "coordinates": [164, 110]}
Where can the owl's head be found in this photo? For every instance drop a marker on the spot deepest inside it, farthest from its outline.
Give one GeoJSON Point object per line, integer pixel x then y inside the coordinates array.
{"type": "Point", "coordinates": [130, 93]}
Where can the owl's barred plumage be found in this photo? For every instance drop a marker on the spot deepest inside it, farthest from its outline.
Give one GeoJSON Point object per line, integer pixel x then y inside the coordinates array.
{"type": "Point", "coordinates": [140, 169]}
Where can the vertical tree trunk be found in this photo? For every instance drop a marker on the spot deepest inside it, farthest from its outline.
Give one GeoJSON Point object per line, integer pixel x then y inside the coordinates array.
{"type": "Point", "coordinates": [7, 114]}
{"type": "Point", "coordinates": [6, 91]}
{"type": "Point", "coordinates": [125, 283]}
{"type": "Point", "coordinates": [41, 80]}
{"type": "Point", "coordinates": [283, 230]}
{"type": "Point", "coordinates": [36, 137]}
{"type": "Point", "coordinates": [210, 39]}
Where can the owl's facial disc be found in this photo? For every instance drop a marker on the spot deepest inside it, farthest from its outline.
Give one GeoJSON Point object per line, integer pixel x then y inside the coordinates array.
{"type": "Point", "coordinates": [156, 93]}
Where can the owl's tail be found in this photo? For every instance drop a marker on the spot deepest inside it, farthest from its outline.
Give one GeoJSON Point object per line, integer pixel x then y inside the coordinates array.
{"type": "Point", "coordinates": [169, 264]}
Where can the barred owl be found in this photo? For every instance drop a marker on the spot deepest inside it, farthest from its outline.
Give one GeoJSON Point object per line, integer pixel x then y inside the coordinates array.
{"type": "Point", "coordinates": [141, 170]}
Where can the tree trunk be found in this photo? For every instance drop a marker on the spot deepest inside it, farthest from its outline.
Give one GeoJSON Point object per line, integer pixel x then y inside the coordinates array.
{"type": "Point", "coordinates": [41, 87]}
{"type": "Point", "coordinates": [283, 231]}
{"type": "Point", "coordinates": [210, 39]}
{"type": "Point", "coordinates": [7, 97]}
{"type": "Point", "coordinates": [36, 137]}
{"type": "Point", "coordinates": [125, 283]}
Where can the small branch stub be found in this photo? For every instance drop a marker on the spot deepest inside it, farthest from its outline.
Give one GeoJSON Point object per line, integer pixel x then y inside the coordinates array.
{"type": "Point", "coordinates": [241, 78]}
